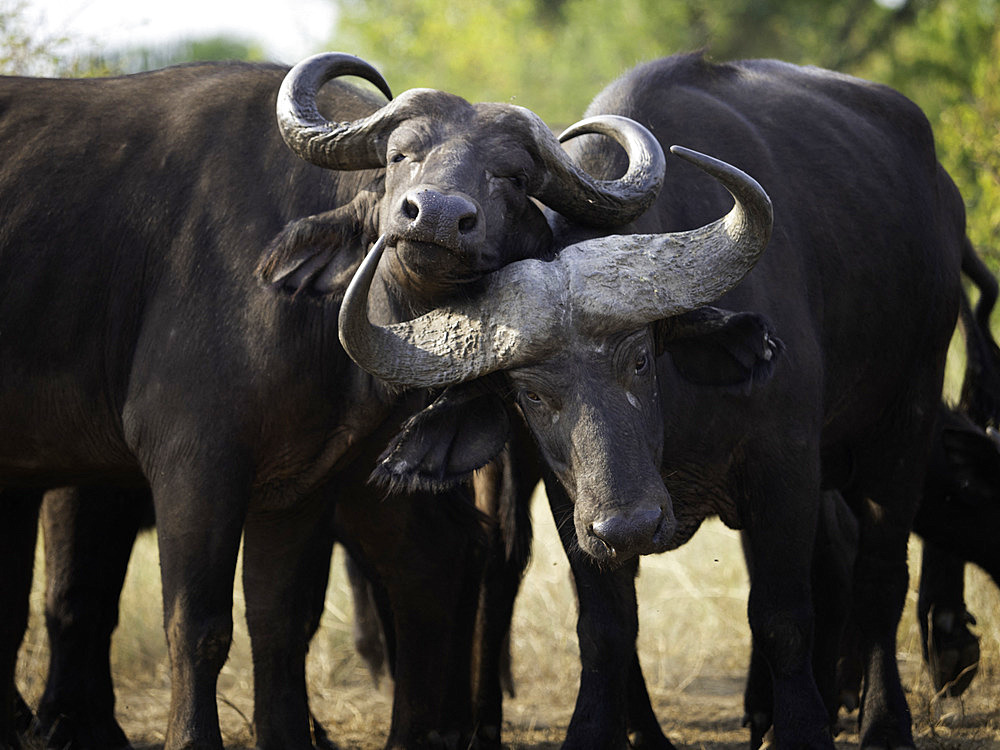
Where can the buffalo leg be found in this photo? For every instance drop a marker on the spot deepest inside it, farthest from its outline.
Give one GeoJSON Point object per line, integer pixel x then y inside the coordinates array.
{"type": "Point", "coordinates": [89, 533]}
{"type": "Point", "coordinates": [950, 650]}
{"type": "Point", "coordinates": [758, 694]}
{"type": "Point", "coordinates": [503, 491]}
{"type": "Point", "coordinates": [780, 534]}
{"type": "Point", "coordinates": [285, 571]}
{"type": "Point", "coordinates": [199, 520]}
{"type": "Point", "coordinates": [833, 572]}
{"type": "Point", "coordinates": [18, 531]}
{"type": "Point", "coordinates": [890, 483]}
{"type": "Point", "coordinates": [758, 698]}
{"type": "Point", "coordinates": [425, 552]}
{"type": "Point", "coordinates": [612, 698]}
{"type": "Point", "coordinates": [880, 584]}
{"type": "Point", "coordinates": [643, 727]}
{"type": "Point", "coordinates": [367, 628]}
{"type": "Point", "coordinates": [879, 592]}
{"type": "Point", "coordinates": [833, 561]}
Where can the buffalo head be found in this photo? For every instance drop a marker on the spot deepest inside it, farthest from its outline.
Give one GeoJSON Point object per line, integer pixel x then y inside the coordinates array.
{"type": "Point", "coordinates": [577, 338]}
{"type": "Point", "coordinates": [457, 179]}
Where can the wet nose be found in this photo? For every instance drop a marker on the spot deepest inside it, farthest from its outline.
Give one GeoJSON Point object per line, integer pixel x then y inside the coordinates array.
{"type": "Point", "coordinates": [628, 534]}
{"type": "Point", "coordinates": [439, 217]}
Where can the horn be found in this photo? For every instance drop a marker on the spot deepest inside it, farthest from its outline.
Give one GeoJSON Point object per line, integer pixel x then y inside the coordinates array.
{"type": "Point", "coordinates": [455, 344]}
{"type": "Point", "coordinates": [621, 283]}
{"type": "Point", "coordinates": [355, 144]}
{"type": "Point", "coordinates": [601, 203]}
{"type": "Point", "coordinates": [603, 285]}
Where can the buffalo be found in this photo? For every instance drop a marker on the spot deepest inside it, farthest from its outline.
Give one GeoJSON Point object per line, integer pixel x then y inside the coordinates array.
{"type": "Point", "coordinates": [89, 533]}
{"type": "Point", "coordinates": [139, 350]}
{"type": "Point", "coordinates": [957, 519]}
{"type": "Point", "coordinates": [821, 369]}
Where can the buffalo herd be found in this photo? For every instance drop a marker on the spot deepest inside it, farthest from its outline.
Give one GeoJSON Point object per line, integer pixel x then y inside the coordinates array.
{"type": "Point", "coordinates": [729, 290]}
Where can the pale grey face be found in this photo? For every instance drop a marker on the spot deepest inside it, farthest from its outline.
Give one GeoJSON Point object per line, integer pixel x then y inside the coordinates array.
{"type": "Point", "coordinates": [594, 412]}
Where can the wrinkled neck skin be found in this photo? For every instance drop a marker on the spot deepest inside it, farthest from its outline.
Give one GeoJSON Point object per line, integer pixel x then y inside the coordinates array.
{"type": "Point", "coordinates": [594, 412]}
{"type": "Point", "coordinates": [400, 291]}
{"type": "Point", "coordinates": [407, 292]}
{"type": "Point", "coordinates": [397, 294]}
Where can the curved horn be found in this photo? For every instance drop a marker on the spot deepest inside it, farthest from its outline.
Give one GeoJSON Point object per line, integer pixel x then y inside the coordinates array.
{"type": "Point", "coordinates": [455, 344]}
{"type": "Point", "coordinates": [601, 203]}
{"type": "Point", "coordinates": [625, 282]}
{"type": "Point", "coordinates": [334, 145]}
{"type": "Point", "coordinates": [604, 285]}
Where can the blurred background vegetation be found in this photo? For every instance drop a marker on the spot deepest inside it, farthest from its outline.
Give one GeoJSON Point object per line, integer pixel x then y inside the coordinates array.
{"type": "Point", "coordinates": [553, 56]}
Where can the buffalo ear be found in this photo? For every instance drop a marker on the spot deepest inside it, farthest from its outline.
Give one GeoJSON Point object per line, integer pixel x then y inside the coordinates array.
{"type": "Point", "coordinates": [318, 255]}
{"type": "Point", "coordinates": [313, 255]}
{"type": "Point", "coordinates": [973, 463]}
{"type": "Point", "coordinates": [462, 430]}
{"type": "Point", "coordinates": [716, 347]}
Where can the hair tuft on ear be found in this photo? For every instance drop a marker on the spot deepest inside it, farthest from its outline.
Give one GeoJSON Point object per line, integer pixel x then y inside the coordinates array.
{"type": "Point", "coordinates": [441, 446]}
{"type": "Point", "coordinates": [317, 256]}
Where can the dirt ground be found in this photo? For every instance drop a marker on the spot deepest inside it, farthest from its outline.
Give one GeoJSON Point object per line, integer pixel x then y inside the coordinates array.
{"type": "Point", "coordinates": [693, 643]}
{"type": "Point", "coordinates": [706, 715]}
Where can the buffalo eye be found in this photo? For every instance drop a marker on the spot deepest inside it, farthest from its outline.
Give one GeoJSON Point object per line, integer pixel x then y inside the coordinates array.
{"type": "Point", "coordinates": [641, 364]}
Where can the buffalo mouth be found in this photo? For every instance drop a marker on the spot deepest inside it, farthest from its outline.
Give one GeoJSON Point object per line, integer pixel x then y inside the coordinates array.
{"type": "Point", "coordinates": [424, 263]}
{"type": "Point", "coordinates": [613, 538]}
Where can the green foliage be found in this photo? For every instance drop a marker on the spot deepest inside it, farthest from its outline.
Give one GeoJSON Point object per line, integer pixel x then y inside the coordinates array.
{"type": "Point", "coordinates": [135, 59]}
{"type": "Point", "coordinates": [555, 55]}
{"type": "Point", "coordinates": [22, 50]}
{"type": "Point", "coordinates": [948, 61]}
{"type": "Point", "coordinates": [25, 50]}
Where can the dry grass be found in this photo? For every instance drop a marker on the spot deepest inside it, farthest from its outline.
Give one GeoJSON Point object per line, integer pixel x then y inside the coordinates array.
{"type": "Point", "coordinates": [693, 641]}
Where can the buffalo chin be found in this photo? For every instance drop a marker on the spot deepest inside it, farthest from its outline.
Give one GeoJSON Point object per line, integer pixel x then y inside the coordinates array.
{"type": "Point", "coordinates": [431, 271]}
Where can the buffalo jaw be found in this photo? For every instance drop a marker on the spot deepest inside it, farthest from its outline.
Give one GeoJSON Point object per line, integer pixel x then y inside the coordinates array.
{"type": "Point", "coordinates": [594, 412]}
{"type": "Point", "coordinates": [528, 309]}
{"type": "Point", "coordinates": [614, 535]}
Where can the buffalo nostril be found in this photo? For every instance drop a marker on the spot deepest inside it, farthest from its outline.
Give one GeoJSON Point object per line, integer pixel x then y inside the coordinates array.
{"type": "Point", "coordinates": [596, 534]}
{"type": "Point", "coordinates": [631, 533]}
{"type": "Point", "coordinates": [467, 223]}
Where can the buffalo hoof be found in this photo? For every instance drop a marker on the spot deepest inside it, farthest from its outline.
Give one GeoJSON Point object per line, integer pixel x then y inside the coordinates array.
{"type": "Point", "coordinates": [887, 739]}
{"type": "Point", "coordinates": [951, 650]}
{"type": "Point", "coordinates": [23, 718]}
{"type": "Point", "coordinates": [649, 741]}
{"type": "Point", "coordinates": [321, 739]}
{"type": "Point", "coordinates": [759, 724]}
{"type": "Point", "coordinates": [488, 738]}
{"type": "Point", "coordinates": [65, 733]}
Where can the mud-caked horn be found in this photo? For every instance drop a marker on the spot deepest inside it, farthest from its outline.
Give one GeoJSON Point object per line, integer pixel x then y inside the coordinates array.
{"type": "Point", "coordinates": [587, 200]}
{"type": "Point", "coordinates": [527, 309]}
{"type": "Point", "coordinates": [455, 344]}
{"type": "Point", "coordinates": [353, 144]}
{"type": "Point", "coordinates": [621, 283]}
